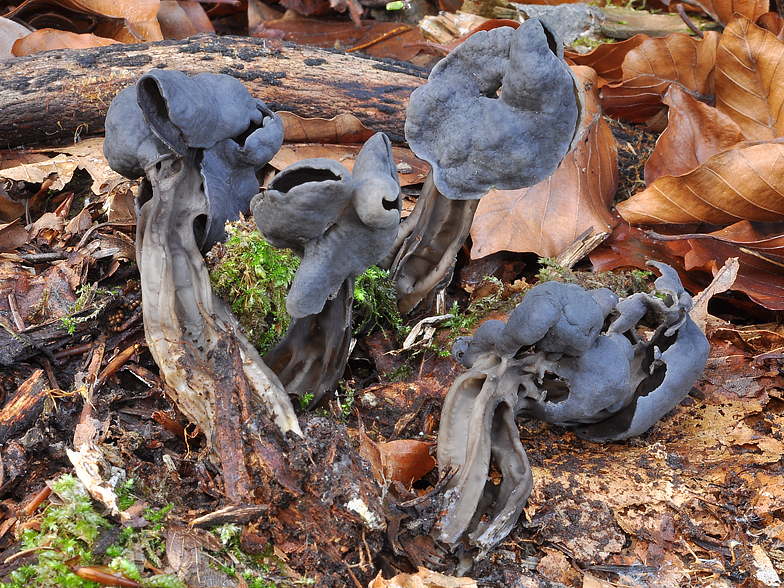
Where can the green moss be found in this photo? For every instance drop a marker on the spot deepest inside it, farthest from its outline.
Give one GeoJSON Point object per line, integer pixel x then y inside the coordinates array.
{"type": "Point", "coordinates": [623, 283]}
{"type": "Point", "coordinates": [590, 42]}
{"type": "Point", "coordinates": [253, 278]}
{"type": "Point", "coordinates": [374, 302]}
{"type": "Point", "coordinates": [68, 533]}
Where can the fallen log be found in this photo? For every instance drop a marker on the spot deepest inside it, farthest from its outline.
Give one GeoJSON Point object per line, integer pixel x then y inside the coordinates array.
{"type": "Point", "coordinates": [66, 93]}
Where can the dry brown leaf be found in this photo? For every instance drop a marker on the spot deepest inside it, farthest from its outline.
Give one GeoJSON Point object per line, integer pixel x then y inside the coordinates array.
{"type": "Point", "coordinates": [695, 132]}
{"type": "Point", "coordinates": [49, 39]}
{"type": "Point", "coordinates": [381, 39]}
{"type": "Point", "coordinates": [34, 168]}
{"type": "Point", "coordinates": [186, 551]}
{"type": "Point", "coordinates": [141, 14]}
{"type": "Point", "coordinates": [198, 16]}
{"type": "Point", "coordinates": [744, 183]}
{"type": "Point", "coordinates": [650, 68]}
{"type": "Point", "coordinates": [403, 460]}
{"type": "Point", "coordinates": [74, 16]}
{"type": "Point", "coordinates": [12, 235]}
{"type": "Point", "coordinates": [766, 239]}
{"type": "Point", "coordinates": [10, 31]}
{"type": "Point", "coordinates": [722, 10]}
{"type": "Point", "coordinates": [590, 581]}
{"type": "Point", "coordinates": [548, 217]}
{"type": "Point", "coordinates": [772, 22]}
{"type": "Point", "coordinates": [750, 79]}
{"type": "Point", "coordinates": [343, 128]}
{"type": "Point", "coordinates": [36, 165]}
{"type": "Point", "coordinates": [424, 578]}
{"type": "Point", "coordinates": [607, 58]}
{"type": "Point", "coordinates": [10, 210]}
{"type": "Point", "coordinates": [174, 21]}
{"type": "Point", "coordinates": [411, 169]}
{"type": "Point", "coordinates": [557, 568]}
{"type": "Point", "coordinates": [722, 281]}
{"type": "Point", "coordinates": [696, 257]}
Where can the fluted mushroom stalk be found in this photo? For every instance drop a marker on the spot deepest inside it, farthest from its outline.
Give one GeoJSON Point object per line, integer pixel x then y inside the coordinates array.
{"type": "Point", "coordinates": [198, 142]}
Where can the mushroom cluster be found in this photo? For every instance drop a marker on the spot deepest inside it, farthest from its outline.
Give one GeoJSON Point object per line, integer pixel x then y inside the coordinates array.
{"type": "Point", "coordinates": [500, 111]}
{"type": "Point", "coordinates": [565, 356]}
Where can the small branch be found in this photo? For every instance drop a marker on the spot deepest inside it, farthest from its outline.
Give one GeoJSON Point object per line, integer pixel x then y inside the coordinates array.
{"type": "Point", "coordinates": [688, 22]}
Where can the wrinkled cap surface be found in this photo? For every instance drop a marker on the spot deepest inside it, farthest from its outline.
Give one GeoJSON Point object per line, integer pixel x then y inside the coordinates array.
{"type": "Point", "coordinates": [501, 111]}
{"type": "Point", "coordinates": [338, 223]}
{"type": "Point", "coordinates": [196, 112]}
{"type": "Point", "coordinates": [129, 144]}
{"type": "Point", "coordinates": [168, 114]}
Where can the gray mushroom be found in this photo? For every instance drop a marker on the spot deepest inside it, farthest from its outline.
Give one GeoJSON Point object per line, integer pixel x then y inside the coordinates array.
{"type": "Point", "coordinates": [568, 357]}
{"type": "Point", "coordinates": [339, 224]}
{"type": "Point", "coordinates": [199, 142]}
{"type": "Point", "coordinates": [502, 110]}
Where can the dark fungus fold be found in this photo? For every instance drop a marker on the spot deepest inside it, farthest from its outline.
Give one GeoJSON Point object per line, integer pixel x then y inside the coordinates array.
{"type": "Point", "coordinates": [500, 111]}
{"type": "Point", "coordinates": [339, 224]}
{"type": "Point", "coordinates": [198, 142]}
{"type": "Point", "coordinates": [168, 113]}
{"type": "Point", "coordinates": [565, 356]}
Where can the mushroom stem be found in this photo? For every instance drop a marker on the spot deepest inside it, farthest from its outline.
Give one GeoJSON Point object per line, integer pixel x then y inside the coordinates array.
{"type": "Point", "coordinates": [426, 259]}
{"type": "Point", "coordinates": [191, 333]}
{"type": "Point", "coordinates": [312, 355]}
{"type": "Point", "coordinates": [477, 424]}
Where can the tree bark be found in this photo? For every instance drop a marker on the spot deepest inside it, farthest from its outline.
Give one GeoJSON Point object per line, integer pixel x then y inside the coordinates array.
{"type": "Point", "coordinates": [66, 93]}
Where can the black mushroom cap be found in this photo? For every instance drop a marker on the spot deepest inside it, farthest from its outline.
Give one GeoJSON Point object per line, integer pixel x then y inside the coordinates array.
{"type": "Point", "coordinates": [338, 223]}
{"type": "Point", "coordinates": [169, 114]}
{"type": "Point", "coordinates": [501, 111]}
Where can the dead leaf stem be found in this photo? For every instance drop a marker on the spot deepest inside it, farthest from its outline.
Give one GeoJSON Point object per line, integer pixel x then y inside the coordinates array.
{"type": "Point", "coordinates": [688, 22]}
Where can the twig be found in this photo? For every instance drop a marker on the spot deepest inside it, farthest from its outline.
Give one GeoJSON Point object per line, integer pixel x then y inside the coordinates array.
{"type": "Point", "coordinates": [53, 384]}
{"type": "Point", "coordinates": [43, 257]}
{"type": "Point", "coordinates": [391, 33]}
{"type": "Point", "coordinates": [689, 22]}
{"type": "Point", "coordinates": [37, 500]}
{"type": "Point", "coordinates": [115, 364]}
{"type": "Point", "coordinates": [20, 326]}
{"type": "Point", "coordinates": [75, 350]}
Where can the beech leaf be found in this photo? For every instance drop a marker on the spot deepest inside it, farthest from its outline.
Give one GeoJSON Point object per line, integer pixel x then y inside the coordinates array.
{"type": "Point", "coordinates": [650, 68]}
{"type": "Point", "coordinates": [772, 22]}
{"type": "Point", "coordinates": [744, 183]}
{"type": "Point", "coordinates": [402, 460]}
{"type": "Point", "coordinates": [142, 14]}
{"type": "Point", "coordinates": [411, 171]}
{"type": "Point", "coordinates": [694, 133]}
{"type": "Point", "coordinates": [48, 39]}
{"type": "Point", "coordinates": [697, 257]}
{"type": "Point", "coordinates": [343, 128]}
{"type": "Point", "coordinates": [722, 10]}
{"type": "Point", "coordinates": [760, 251]}
{"type": "Point", "coordinates": [607, 58]}
{"type": "Point", "coordinates": [750, 78]}
{"type": "Point", "coordinates": [547, 217]}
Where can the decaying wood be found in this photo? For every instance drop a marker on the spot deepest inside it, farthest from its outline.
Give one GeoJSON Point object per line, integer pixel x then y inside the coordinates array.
{"type": "Point", "coordinates": [24, 408]}
{"type": "Point", "coordinates": [66, 93]}
{"type": "Point", "coordinates": [52, 336]}
{"type": "Point", "coordinates": [323, 507]}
